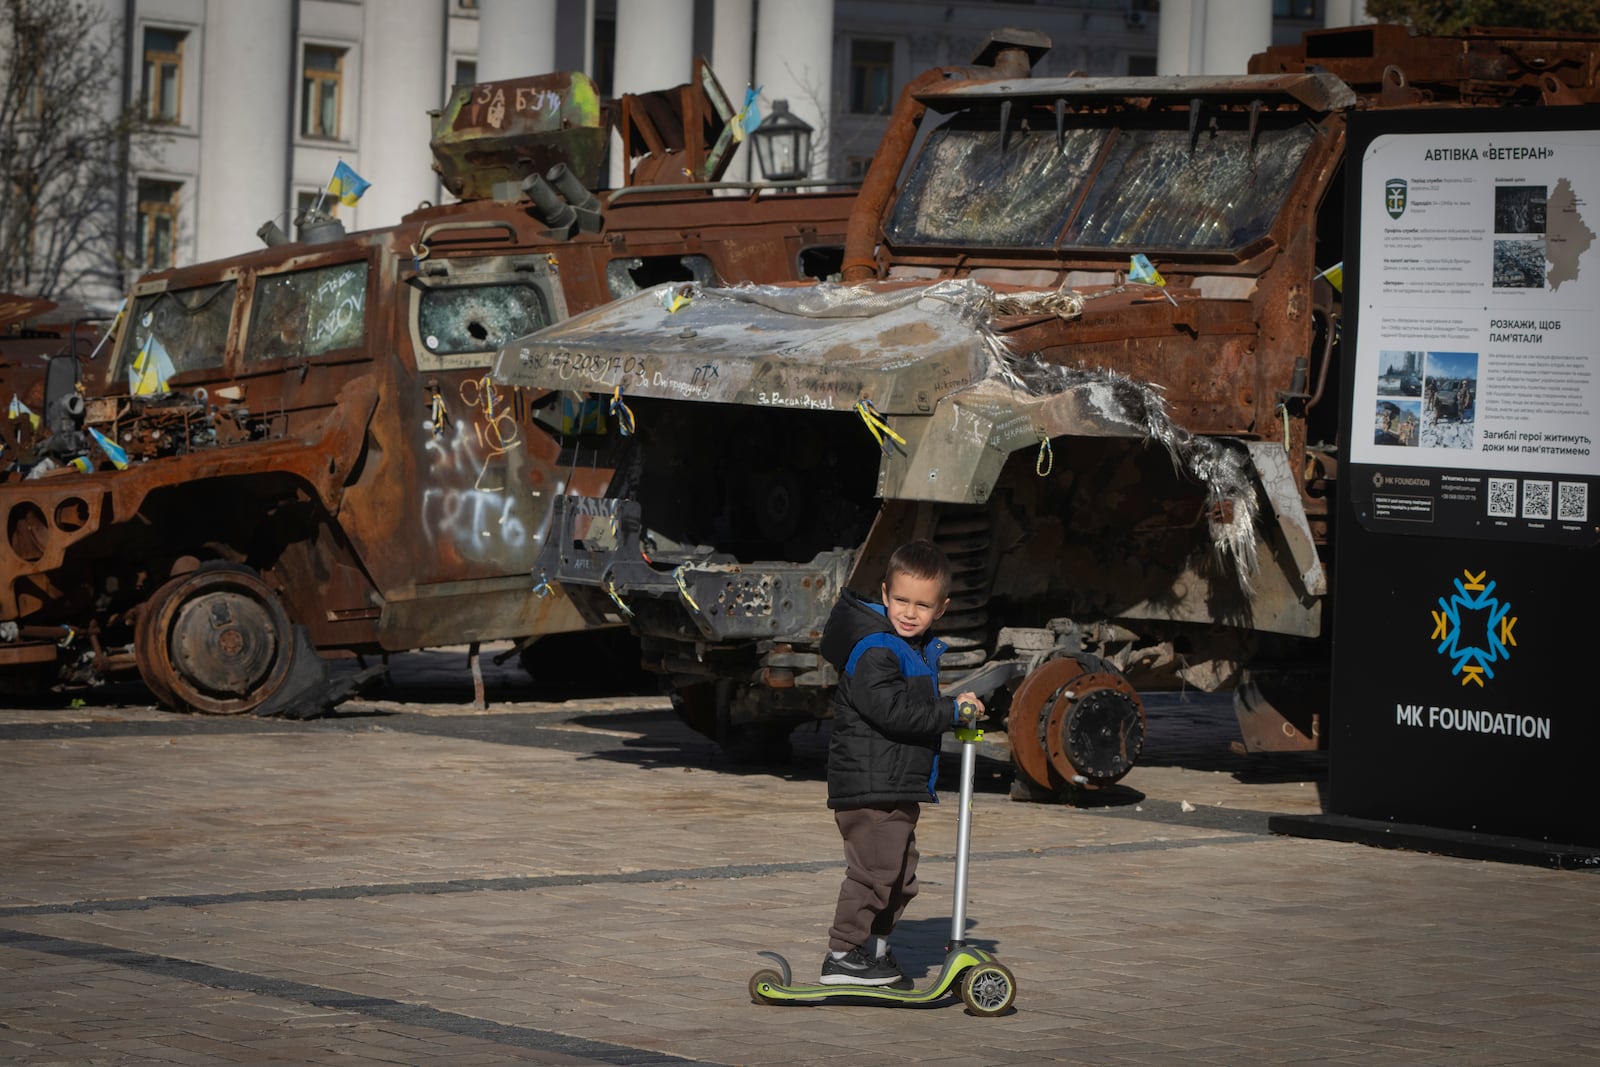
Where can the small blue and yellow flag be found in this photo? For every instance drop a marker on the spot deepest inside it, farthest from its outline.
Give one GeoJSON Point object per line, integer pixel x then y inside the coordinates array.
{"type": "Point", "coordinates": [347, 186]}
{"type": "Point", "coordinates": [1140, 269]}
{"type": "Point", "coordinates": [18, 410]}
{"type": "Point", "coordinates": [150, 369]}
{"type": "Point", "coordinates": [749, 116]}
{"type": "Point", "coordinates": [114, 452]}
{"type": "Point", "coordinates": [1335, 276]}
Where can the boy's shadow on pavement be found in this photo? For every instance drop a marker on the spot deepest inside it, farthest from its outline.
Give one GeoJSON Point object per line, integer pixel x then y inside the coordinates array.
{"type": "Point", "coordinates": [919, 945]}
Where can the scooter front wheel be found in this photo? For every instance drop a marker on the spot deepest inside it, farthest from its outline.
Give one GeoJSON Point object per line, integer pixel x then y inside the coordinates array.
{"type": "Point", "coordinates": [761, 978]}
{"type": "Point", "coordinates": [988, 988]}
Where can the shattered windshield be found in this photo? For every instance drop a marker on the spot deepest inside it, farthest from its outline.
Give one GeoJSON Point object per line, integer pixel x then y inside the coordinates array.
{"type": "Point", "coordinates": [479, 318]}
{"type": "Point", "coordinates": [308, 312]}
{"type": "Point", "coordinates": [966, 191]}
{"type": "Point", "coordinates": [1102, 188]}
{"type": "Point", "coordinates": [182, 329]}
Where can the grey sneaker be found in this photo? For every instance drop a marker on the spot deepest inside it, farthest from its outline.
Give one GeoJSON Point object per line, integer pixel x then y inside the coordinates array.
{"type": "Point", "coordinates": [858, 968]}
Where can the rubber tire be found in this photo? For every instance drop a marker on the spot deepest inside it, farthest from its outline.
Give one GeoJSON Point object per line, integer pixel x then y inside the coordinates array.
{"type": "Point", "coordinates": [988, 989]}
{"type": "Point", "coordinates": [768, 976]}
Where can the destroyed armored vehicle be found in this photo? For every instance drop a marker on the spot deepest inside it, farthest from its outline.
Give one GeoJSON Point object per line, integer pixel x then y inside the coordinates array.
{"type": "Point", "coordinates": [1085, 342]}
{"type": "Point", "coordinates": [298, 451]}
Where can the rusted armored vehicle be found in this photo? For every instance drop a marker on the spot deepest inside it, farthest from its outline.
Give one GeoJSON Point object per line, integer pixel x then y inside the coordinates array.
{"type": "Point", "coordinates": [1085, 342]}
{"type": "Point", "coordinates": [299, 451]}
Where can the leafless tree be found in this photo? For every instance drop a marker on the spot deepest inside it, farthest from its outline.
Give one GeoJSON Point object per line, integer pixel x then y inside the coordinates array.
{"type": "Point", "coordinates": [64, 149]}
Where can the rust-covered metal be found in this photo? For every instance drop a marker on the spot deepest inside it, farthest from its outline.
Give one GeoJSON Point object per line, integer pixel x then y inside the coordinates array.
{"type": "Point", "coordinates": [301, 452]}
{"type": "Point", "coordinates": [1085, 343]}
{"type": "Point", "coordinates": [497, 134]}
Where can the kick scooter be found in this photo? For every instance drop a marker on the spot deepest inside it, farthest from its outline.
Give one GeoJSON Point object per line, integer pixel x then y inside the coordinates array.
{"type": "Point", "coordinates": [985, 984]}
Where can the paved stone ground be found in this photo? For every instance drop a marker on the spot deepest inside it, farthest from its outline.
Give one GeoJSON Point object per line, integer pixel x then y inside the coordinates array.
{"type": "Point", "coordinates": [587, 882]}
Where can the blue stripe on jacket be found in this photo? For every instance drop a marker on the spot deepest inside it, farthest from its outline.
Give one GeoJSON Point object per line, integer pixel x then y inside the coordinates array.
{"type": "Point", "coordinates": [912, 664]}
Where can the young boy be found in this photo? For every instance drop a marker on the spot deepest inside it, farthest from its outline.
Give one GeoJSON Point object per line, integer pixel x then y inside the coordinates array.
{"type": "Point", "coordinates": [888, 717]}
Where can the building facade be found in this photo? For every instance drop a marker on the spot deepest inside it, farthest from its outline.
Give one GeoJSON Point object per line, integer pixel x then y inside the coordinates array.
{"type": "Point", "coordinates": [260, 101]}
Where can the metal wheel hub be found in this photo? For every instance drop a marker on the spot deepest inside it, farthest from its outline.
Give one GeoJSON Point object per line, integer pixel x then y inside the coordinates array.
{"type": "Point", "coordinates": [224, 643]}
{"type": "Point", "coordinates": [1075, 720]}
{"type": "Point", "coordinates": [214, 640]}
{"type": "Point", "coordinates": [1100, 732]}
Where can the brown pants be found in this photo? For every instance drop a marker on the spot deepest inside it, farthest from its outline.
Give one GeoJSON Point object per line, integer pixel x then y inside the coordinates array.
{"type": "Point", "coordinates": [880, 876]}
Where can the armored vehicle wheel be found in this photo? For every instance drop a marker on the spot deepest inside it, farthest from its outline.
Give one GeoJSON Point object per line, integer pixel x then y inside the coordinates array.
{"type": "Point", "coordinates": [1075, 718]}
{"type": "Point", "coordinates": [215, 640]}
{"type": "Point", "coordinates": [988, 989]}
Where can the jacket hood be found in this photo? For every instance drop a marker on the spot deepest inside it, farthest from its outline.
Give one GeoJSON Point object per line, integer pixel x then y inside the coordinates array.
{"type": "Point", "coordinates": [852, 619]}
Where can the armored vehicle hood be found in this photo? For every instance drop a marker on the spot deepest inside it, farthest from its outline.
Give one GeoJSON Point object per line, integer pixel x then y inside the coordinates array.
{"type": "Point", "coordinates": [924, 366]}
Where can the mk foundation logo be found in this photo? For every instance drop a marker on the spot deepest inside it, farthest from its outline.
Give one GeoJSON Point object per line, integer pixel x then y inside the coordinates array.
{"type": "Point", "coordinates": [1474, 628]}
{"type": "Point", "coordinates": [1394, 197]}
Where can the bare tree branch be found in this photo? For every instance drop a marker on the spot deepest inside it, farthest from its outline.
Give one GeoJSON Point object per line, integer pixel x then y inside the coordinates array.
{"type": "Point", "coordinates": [63, 148]}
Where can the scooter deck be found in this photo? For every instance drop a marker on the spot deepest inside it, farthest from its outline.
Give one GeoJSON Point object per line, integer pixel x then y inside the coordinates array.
{"type": "Point", "coordinates": [779, 987]}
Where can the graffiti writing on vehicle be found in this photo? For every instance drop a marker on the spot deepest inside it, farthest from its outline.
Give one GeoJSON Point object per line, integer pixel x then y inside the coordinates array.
{"type": "Point", "coordinates": [336, 306]}
{"type": "Point", "coordinates": [489, 102]}
{"type": "Point", "coordinates": [457, 506]}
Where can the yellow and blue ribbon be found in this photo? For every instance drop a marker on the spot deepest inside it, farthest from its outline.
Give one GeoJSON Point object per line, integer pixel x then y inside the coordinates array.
{"type": "Point", "coordinates": [881, 431]}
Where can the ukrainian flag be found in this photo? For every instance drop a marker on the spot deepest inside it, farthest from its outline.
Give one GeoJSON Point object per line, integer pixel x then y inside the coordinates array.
{"type": "Point", "coordinates": [749, 116]}
{"type": "Point", "coordinates": [347, 186]}
{"type": "Point", "coordinates": [150, 369]}
{"type": "Point", "coordinates": [114, 452]}
{"type": "Point", "coordinates": [1140, 269]}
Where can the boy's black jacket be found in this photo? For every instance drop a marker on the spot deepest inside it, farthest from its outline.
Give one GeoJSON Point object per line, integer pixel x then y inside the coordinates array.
{"type": "Point", "coordinates": [887, 712]}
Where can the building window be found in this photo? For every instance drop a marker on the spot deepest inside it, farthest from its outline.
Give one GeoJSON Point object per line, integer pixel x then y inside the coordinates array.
{"type": "Point", "coordinates": [856, 167]}
{"type": "Point", "coordinates": [1297, 9]}
{"type": "Point", "coordinates": [163, 75]}
{"type": "Point", "coordinates": [1141, 66]}
{"type": "Point", "coordinates": [319, 106]}
{"type": "Point", "coordinates": [466, 72]}
{"type": "Point", "coordinates": [871, 76]}
{"type": "Point", "coordinates": [156, 242]}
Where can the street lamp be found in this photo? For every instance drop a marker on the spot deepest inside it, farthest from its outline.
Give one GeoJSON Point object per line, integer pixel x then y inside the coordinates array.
{"type": "Point", "coordinates": [783, 145]}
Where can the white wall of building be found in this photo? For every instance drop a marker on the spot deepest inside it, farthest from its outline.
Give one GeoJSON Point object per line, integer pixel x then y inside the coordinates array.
{"type": "Point", "coordinates": [794, 62]}
{"type": "Point", "coordinates": [518, 39]}
{"type": "Point", "coordinates": [1212, 36]}
{"type": "Point", "coordinates": [247, 107]}
{"type": "Point", "coordinates": [404, 42]}
{"type": "Point", "coordinates": [1344, 13]}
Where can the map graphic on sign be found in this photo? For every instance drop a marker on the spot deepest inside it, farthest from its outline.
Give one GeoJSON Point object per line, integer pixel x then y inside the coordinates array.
{"type": "Point", "coordinates": [1567, 237]}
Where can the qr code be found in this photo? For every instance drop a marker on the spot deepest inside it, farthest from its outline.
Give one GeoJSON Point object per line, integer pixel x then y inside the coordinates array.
{"type": "Point", "coordinates": [1535, 499]}
{"type": "Point", "coordinates": [1503, 498]}
{"type": "Point", "coordinates": [1573, 503]}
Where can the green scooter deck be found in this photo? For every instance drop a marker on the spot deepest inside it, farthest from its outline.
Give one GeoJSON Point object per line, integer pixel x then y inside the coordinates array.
{"type": "Point", "coordinates": [974, 975]}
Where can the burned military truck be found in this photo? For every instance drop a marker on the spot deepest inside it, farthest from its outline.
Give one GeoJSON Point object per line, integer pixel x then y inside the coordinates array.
{"type": "Point", "coordinates": [298, 451]}
{"type": "Point", "coordinates": [1084, 340]}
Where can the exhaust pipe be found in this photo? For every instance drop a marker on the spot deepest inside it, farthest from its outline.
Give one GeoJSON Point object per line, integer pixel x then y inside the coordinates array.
{"type": "Point", "coordinates": [548, 204]}
{"type": "Point", "coordinates": [582, 200]}
{"type": "Point", "coordinates": [272, 234]}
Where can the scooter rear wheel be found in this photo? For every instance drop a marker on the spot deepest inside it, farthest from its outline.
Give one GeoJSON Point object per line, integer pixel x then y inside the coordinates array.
{"type": "Point", "coordinates": [988, 989]}
{"type": "Point", "coordinates": [760, 978]}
